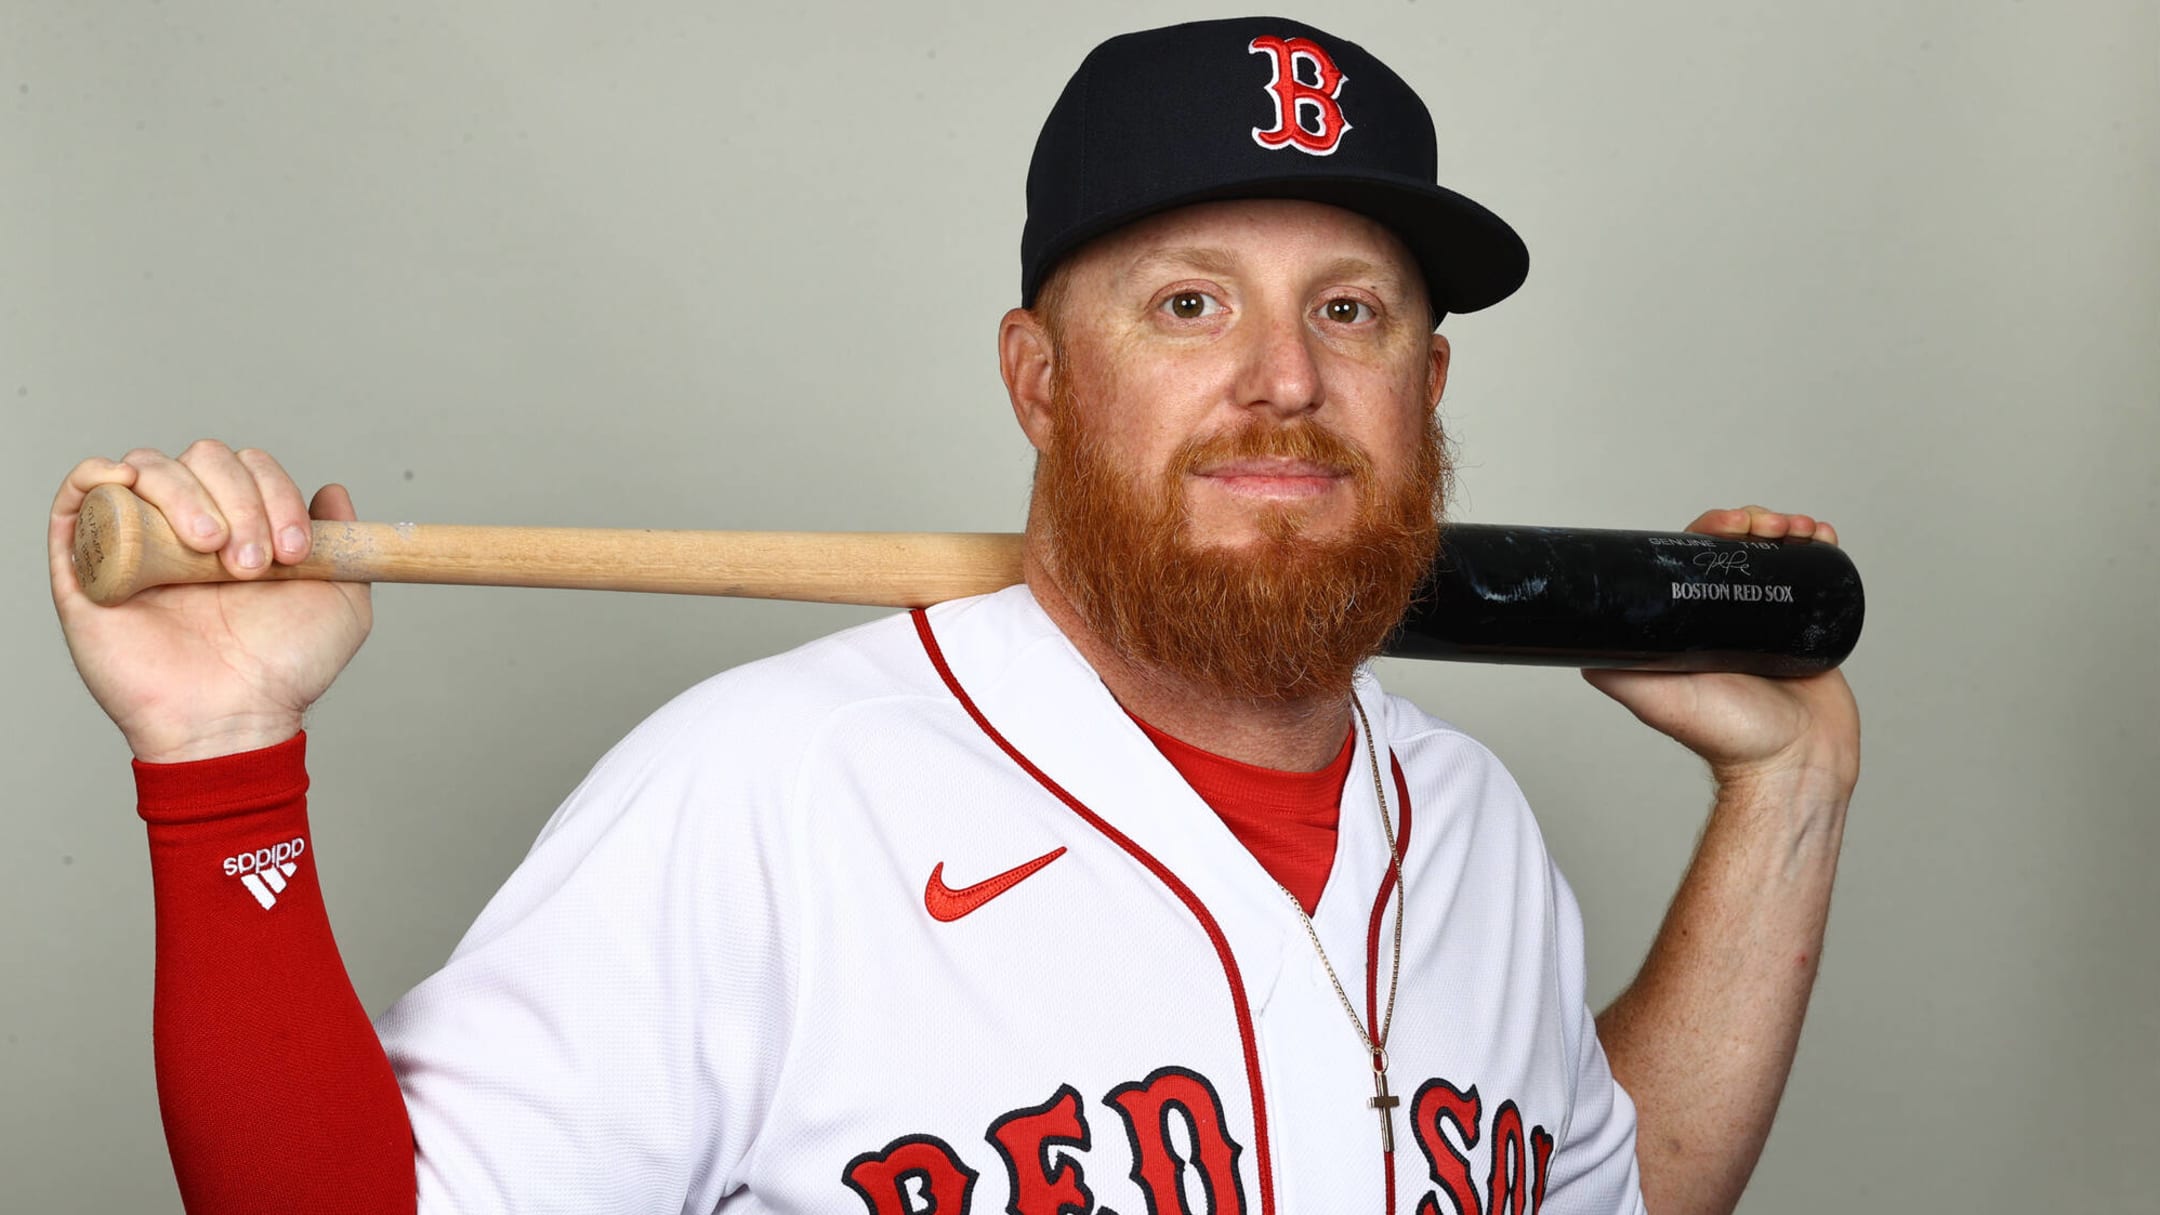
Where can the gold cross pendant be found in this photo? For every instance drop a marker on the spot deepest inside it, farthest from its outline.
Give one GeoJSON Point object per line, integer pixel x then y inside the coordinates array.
{"type": "Point", "coordinates": [1385, 1102]}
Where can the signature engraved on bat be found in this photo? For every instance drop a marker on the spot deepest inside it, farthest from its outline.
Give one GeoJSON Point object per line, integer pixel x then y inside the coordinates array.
{"type": "Point", "coordinates": [1723, 563]}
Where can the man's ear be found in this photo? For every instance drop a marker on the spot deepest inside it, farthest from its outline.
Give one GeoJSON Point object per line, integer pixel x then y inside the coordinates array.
{"type": "Point", "coordinates": [1437, 377]}
{"type": "Point", "coordinates": [1028, 361]}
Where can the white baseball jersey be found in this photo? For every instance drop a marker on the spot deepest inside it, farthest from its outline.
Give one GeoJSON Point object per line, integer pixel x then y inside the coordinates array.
{"type": "Point", "coordinates": [915, 918]}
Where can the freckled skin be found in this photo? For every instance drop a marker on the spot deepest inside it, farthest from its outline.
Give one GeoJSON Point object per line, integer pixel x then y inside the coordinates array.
{"type": "Point", "coordinates": [1205, 319]}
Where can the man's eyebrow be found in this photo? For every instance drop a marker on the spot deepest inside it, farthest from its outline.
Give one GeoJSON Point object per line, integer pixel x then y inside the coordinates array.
{"type": "Point", "coordinates": [1358, 268]}
{"type": "Point", "coordinates": [1194, 257]}
{"type": "Point", "coordinates": [1216, 261]}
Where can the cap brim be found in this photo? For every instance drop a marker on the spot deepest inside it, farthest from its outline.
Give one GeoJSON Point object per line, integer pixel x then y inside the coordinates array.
{"type": "Point", "coordinates": [1470, 257]}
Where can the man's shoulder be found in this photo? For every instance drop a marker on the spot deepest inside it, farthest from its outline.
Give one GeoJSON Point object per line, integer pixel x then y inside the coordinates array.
{"type": "Point", "coordinates": [1441, 758]}
{"type": "Point", "coordinates": [1408, 724]}
{"type": "Point", "coordinates": [744, 738]}
{"type": "Point", "coordinates": [783, 701]}
{"type": "Point", "coordinates": [792, 691]}
{"type": "Point", "coordinates": [737, 739]}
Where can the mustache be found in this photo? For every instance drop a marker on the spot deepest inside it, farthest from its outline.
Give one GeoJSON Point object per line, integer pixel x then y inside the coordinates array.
{"type": "Point", "coordinates": [1302, 442]}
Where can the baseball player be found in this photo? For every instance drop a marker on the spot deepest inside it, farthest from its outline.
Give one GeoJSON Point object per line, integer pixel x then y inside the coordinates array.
{"type": "Point", "coordinates": [1127, 889]}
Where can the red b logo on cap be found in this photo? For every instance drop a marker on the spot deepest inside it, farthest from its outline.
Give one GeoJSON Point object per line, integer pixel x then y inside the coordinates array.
{"type": "Point", "coordinates": [1294, 99]}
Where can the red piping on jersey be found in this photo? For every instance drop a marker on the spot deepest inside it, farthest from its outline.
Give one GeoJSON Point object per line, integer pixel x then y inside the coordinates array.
{"type": "Point", "coordinates": [1162, 873]}
{"type": "Point", "coordinates": [1372, 939]}
{"type": "Point", "coordinates": [1387, 888]}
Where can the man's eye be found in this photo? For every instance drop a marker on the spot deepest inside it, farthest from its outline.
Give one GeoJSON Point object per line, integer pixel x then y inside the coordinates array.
{"type": "Point", "coordinates": [1189, 305]}
{"type": "Point", "coordinates": [1346, 311]}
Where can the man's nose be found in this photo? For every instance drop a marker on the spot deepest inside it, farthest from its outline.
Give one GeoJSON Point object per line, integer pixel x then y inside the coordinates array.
{"type": "Point", "coordinates": [1280, 373]}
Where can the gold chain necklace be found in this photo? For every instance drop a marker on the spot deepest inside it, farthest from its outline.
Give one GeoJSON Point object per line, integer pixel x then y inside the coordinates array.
{"type": "Point", "coordinates": [1382, 1100]}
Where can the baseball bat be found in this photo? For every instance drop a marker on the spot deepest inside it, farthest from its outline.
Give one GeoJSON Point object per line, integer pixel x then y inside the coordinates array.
{"type": "Point", "coordinates": [1583, 597]}
{"type": "Point", "coordinates": [123, 546]}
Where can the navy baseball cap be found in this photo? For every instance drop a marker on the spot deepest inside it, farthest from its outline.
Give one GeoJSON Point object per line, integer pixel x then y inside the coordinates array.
{"type": "Point", "coordinates": [1254, 107]}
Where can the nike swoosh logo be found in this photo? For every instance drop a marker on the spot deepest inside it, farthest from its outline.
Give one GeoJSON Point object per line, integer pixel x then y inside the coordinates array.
{"type": "Point", "coordinates": [946, 904]}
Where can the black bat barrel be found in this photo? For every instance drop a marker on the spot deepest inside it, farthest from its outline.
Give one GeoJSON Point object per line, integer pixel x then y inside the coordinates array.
{"type": "Point", "coordinates": [1650, 601]}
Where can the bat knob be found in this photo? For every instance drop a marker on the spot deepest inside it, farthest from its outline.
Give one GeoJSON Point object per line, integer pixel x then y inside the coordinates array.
{"type": "Point", "coordinates": [109, 544]}
{"type": "Point", "coordinates": [124, 546]}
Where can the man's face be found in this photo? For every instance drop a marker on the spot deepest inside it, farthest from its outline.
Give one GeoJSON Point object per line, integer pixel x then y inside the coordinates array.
{"type": "Point", "coordinates": [1251, 315]}
{"type": "Point", "coordinates": [1240, 474]}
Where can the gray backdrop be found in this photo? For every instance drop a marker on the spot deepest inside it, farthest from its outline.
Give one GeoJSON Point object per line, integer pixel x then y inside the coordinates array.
{"type": "Point", "coordinates": [684, 264]}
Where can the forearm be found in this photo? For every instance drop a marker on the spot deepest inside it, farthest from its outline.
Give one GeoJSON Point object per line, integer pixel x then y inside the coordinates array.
{"type": "Point", "coordinates": [274, 1089]}
{"type": "Point", "coordinates": [1704, 1038]}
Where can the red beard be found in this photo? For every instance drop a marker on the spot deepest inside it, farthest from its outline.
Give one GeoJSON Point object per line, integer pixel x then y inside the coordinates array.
{"type": "Point", "coordinates": [1285, 617]}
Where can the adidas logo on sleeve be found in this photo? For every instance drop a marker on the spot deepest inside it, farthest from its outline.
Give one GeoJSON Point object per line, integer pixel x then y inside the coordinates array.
{"type": "Point", "coordinates": [264, 870]}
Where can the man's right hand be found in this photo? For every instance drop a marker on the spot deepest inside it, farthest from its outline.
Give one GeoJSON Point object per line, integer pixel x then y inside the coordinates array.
{"type": "Point", "coordinates": [190, 672]}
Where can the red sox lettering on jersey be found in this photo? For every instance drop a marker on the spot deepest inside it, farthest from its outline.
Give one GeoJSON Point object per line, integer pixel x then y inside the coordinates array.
{"type": "Point", "coordinates": [1295, 100]}
{"type": "Point", "coordinates": [1191, 1167]}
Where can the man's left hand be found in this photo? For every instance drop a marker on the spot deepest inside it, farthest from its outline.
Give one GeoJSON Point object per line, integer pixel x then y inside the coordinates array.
{"type": "Point", "coordinates": [1752, 729]}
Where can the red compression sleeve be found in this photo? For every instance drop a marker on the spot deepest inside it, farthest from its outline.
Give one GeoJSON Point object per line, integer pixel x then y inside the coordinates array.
{"type": "Point", "coordinates": [275, 1092]}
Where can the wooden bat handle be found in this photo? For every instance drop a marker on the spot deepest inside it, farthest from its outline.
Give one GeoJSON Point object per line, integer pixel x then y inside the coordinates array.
{"type": "Point", "coordinates": [123, 545]}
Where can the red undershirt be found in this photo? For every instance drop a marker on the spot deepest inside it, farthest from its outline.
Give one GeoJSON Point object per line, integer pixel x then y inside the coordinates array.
{"type": "Point", "coordinates": [1285, 819]}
